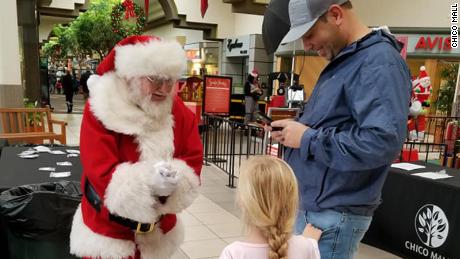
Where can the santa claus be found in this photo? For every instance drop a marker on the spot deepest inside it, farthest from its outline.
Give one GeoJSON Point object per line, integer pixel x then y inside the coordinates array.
{"type": "Point", "coordinates": [421, 91]}
{"type": "Point", "coordinates": [141, 154]}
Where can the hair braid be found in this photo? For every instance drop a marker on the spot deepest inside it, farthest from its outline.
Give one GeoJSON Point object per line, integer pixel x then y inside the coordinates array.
{"type": "Point", "coordinates": [277, 242]}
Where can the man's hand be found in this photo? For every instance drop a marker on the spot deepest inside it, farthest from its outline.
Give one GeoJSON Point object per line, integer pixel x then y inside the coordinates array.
{"type": "Point", "coordinates": [165, 179]}
{"type": "Point", "coordinates": [311, 232]}
{"type": "Point", "coordinates": [292, 132]}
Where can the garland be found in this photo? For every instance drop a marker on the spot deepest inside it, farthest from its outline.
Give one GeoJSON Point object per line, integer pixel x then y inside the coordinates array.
{"type": "Point", "coordinates": [127, 9]}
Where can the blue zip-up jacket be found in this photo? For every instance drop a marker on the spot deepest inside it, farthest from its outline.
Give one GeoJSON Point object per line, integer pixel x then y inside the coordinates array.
{"type": "Point", "coordinates": [358, 117]}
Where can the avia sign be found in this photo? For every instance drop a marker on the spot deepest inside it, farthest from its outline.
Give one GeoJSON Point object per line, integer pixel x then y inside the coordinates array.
{"type": "Point", "coordinates": [429, 43]}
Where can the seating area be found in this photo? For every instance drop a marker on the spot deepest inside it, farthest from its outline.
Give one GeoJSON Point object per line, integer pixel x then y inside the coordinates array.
{"type": "Point", "coordinates": [31, 126]}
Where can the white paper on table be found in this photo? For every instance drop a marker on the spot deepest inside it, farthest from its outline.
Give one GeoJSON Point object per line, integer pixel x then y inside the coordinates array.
{"type": "Point", "coordinates": [29, 156]}
{"type": "Point", "coordinates": [42, 149]}
{"type": "Point", "coordinates": [73, 151]}
{"type": "Point", "coordinates": [60, 174]}
{"type": "Point", "coordinates": [72, 155]}
{"type": "Point", "coordinates": [407, 166]}
{"type": "Point", "coordinates": [57, 152]}
{"type": "Point", "coordinates": [432, 175]}
{"type": "Point", "coordinates": [66, 163]}
{"type": "Point", "coordinates": [51, 169]}
{"type": "Point", "coordinates": [27, 153]}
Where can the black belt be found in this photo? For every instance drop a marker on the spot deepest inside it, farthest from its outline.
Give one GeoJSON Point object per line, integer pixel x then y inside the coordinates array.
{"type": "Point", "coordinates": [95, 201]}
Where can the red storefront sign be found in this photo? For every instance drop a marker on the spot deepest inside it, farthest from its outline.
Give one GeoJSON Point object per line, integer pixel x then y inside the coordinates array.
{"type": "Point", "coordinates": [431, 43]}
{"type": "Point", "coordinates": [404, 40]}
{"type": "Point", "coordinates": [217, 90]}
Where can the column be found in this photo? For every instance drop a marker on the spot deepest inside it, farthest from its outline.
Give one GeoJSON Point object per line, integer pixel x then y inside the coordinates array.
{"type": "Point", "coordinates": [10, 69]}
{"type": "Point", "coordinates": [27, 21]}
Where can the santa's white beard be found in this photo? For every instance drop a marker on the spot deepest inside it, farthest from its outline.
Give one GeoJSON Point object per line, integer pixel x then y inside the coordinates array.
{"type": "Point", "coordinates": [154, 109]}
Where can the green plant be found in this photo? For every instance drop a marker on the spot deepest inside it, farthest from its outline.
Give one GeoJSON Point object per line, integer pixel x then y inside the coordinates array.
{"type": "Point", "coordinates": [447, 91]}
{"type": "Point", "coordinates": [33, 117]}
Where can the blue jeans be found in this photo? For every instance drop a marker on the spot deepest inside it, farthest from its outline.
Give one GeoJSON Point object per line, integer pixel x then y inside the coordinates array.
{"type": "Point", "coordinates": [342, 232]}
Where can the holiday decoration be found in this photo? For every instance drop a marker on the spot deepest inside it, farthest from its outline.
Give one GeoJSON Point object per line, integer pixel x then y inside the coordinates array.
{"type": "Point", "coordinates": [122, 13]}
{"type": "Point", "coordinates": [204, 7]}
{"type": "Point", "coordinates": [421, 91]}
{"type": "Point", "coordinates": [146, 7]}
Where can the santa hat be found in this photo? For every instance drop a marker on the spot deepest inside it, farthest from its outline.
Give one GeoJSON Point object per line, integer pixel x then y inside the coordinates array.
{"type": "Point", "coordinates": [254, 73]}
{"type": "Point", "coordinates": [144, 55]}
{"type": "Point", "coordinates": [422, 73]}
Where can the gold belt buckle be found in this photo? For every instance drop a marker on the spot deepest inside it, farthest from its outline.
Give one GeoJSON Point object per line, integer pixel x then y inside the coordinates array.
{"type": "Point", "coordinates": [139, 231]}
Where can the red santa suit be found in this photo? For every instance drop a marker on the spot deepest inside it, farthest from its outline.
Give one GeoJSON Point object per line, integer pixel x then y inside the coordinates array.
{"type": "Point", "coordinates": [421, 91]}
{"type": "Point", "coordinates": [121, 215]}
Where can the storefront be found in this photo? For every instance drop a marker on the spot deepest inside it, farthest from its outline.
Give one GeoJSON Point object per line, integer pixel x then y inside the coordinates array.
{"type": "Point", "coordinates": [425, 47]}
{"type": "Point", "coordinates": [240, 56]}
{"type": "Point", "coordinates": [202, 58]}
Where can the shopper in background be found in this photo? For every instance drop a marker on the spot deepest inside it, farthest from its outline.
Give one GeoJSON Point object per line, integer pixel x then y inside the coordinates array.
{"type": "Point", "coordinates": [68, 85]}
{"type": "Point", "coordinates": [353, 125]}
{"type": "Point", "coordinates": [252, 92]}
{"type": "Point", "coordinates": [268, 197]}
{"type": "Point", "coordinates": [84, 85]}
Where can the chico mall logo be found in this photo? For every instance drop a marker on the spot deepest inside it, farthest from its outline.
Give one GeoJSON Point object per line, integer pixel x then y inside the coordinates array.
{"type": "Point", "coordinates": [431, 225]}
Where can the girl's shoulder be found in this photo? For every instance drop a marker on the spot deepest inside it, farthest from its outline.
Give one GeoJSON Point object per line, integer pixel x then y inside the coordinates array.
{"type": "Point", "coordinates": [302, 246]}
{"type": "Point", "coordinates": [240, 249]}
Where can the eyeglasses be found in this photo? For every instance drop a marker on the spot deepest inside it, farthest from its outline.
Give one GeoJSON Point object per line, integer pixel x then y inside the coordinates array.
{"type": "Point", "coordinates": [159, 81]}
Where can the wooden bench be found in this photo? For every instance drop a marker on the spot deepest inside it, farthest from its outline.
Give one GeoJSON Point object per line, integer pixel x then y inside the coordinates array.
{"type": "Point", "coordinates": [30, 125]}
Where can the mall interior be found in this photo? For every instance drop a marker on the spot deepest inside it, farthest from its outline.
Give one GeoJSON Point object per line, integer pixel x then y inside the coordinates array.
{"type": "Point", "coordinates": [46, 43]}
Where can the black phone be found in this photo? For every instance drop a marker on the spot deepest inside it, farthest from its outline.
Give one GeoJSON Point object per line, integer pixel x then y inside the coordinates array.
{"type": "Point", "coordinates": [266, 120]}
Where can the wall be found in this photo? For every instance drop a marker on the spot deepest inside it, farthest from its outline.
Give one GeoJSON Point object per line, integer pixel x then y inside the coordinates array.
{"type": "Point", "coordinates": [10, 69]}
{"type": "Point", "coordinates": [218, 13]}
{"type": "Point", "coordinates": [397, 13]}
{"type": "Point", "coordinates": [65, 4]}
{"type": "Point", "coordinates": [167, 31]}
{"type": "Point", "coordinates": [247, 24]}
{"type": "Point", "coordinates": [229, 24]}
{"type": "Point", "coordinates": [44, 30]}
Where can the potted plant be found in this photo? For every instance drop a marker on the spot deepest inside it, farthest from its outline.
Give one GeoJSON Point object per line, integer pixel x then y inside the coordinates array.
{"type": "Point", "coordinates": [34, 120]}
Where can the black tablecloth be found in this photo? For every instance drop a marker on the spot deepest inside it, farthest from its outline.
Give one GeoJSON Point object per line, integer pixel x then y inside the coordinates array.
{"type": "Point", "coordinates": [413, 206]}
{"type": "Point", "coordinates": [16, 171]}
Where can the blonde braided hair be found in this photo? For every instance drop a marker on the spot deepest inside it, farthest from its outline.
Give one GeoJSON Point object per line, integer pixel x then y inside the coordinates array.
{"type": "Point", "coordinates": [268, 197]}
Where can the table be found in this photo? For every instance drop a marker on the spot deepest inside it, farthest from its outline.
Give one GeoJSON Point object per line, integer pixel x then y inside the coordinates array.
{"type": "Point", "coordinates": [413, 206]}
{"type": "Point", "coordinates": [16, 171]}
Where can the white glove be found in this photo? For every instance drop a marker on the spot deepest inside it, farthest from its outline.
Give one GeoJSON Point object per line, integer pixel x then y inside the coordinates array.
{"type": "Point", "coordinates": [165, 179]}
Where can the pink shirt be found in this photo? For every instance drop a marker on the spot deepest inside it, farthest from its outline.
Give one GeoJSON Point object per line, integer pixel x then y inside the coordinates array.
{"type": "Point", "coordinates": [299, 247]}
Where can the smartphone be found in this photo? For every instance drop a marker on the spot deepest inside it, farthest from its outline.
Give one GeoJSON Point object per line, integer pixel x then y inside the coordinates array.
{"type": "Point", "coordinates": [266, 120]}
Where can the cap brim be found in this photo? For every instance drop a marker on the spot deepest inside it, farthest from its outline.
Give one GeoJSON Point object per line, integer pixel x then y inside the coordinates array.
{"type": "Point", "coordinates": [297, 32]}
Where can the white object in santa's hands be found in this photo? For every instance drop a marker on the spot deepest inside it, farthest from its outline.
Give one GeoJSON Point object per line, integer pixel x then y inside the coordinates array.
{"type": "Point", "coordinates": [165, 179]}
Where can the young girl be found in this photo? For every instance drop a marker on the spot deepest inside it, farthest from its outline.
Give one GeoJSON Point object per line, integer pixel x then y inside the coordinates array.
{"type": "Point", "coordinates": [268, 197]}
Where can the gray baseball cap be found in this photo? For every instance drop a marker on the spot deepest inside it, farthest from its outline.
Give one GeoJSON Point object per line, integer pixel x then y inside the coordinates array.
{"type": "Point", "coordinates": [303, 14]}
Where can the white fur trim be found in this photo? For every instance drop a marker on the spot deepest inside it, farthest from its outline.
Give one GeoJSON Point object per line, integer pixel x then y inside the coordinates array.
{"type": "Point", "coordinates": [156, 57]}
{"type": "Point", "coordinates": [85, 243]}
{"type": "Point", "coordinates": [187, 189]}
{"type": "Point", "coordinates": [129, 193]}
{"type": "Point", "coordinates": [158, 245]}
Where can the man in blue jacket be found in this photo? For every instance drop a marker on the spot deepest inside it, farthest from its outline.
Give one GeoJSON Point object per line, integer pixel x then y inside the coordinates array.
{"type": "Point", "coordinates": [353, 125]}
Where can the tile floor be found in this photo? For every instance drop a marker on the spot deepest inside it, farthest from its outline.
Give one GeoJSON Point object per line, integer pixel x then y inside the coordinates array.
{"type": "Point", "coordinates": [212, 221]}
